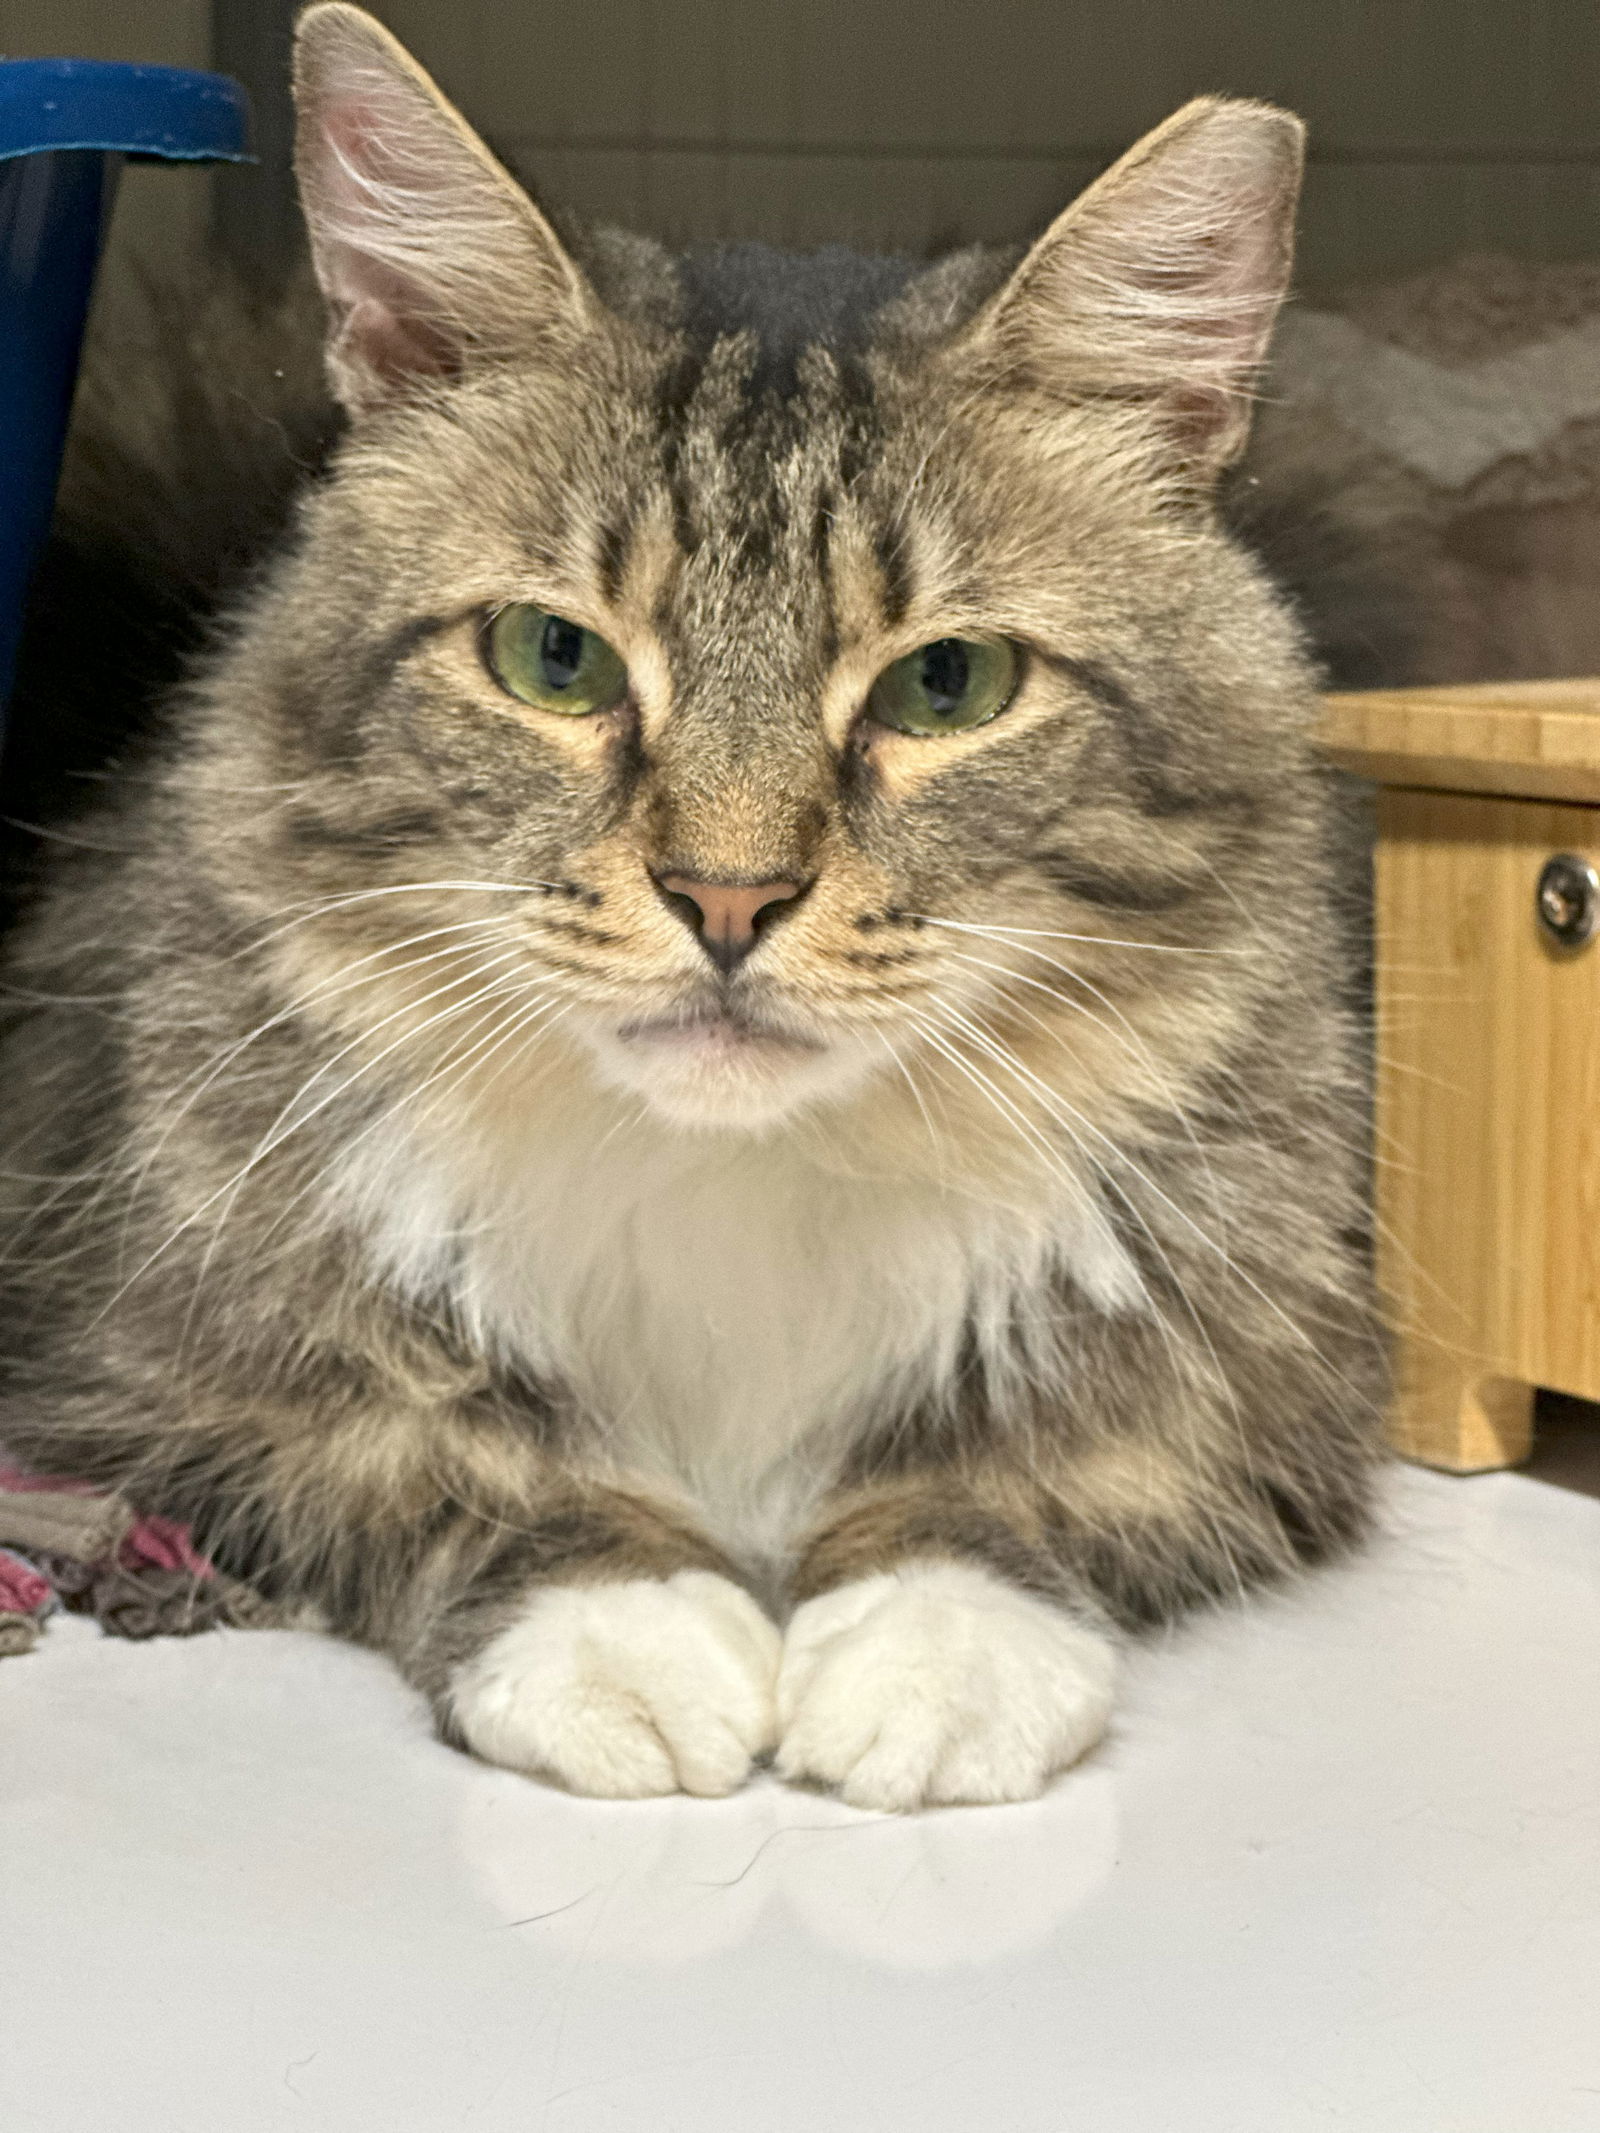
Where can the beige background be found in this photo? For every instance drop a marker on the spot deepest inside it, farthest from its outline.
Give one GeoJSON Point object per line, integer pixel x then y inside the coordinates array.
{"type": "Point", "coordinates": [1439, 125]}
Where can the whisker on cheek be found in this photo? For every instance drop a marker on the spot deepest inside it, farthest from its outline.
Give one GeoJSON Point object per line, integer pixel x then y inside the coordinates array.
{"type": "Point", "coordinates": [1089, 940]}
{"type": "Point", "coordinates": [314, 908]}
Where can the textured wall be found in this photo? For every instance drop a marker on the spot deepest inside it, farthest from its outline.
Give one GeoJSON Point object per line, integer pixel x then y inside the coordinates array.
{"type": "Point", "coordinates": [1439, 125]}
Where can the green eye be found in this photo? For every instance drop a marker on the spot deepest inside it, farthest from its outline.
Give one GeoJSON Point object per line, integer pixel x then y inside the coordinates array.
{"type": "Point", "coordinates": [558, 665]}
{"type": "Point", "coordinates": [945, 687]}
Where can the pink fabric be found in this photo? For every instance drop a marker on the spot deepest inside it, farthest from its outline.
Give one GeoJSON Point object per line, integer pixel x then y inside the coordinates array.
{"type": "Point", "coordinates": [19, 1483]}
{"type": "Point", "coordinates": [22, 1590]}
{"type": "Point", "coordinates": [146, 1577]}
{"type": "Point", "coordinates": [155, 1543]}
{"type": "Point", "coordinates": [151, 1543]}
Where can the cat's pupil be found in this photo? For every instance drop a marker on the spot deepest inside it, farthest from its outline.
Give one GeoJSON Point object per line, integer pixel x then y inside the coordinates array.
{"type": "Point", "coordinates": [945, 674]}
{"type": "Point", "coordinates": [561, 652]}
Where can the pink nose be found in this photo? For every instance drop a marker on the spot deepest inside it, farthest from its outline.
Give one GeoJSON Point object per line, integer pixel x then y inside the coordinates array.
{"type": "Point", "coordinates": [725, 916]}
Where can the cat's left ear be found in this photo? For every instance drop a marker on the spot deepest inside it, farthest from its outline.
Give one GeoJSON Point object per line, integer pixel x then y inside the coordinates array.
{"type": "Point", "coordinates": [1160, 284]}
{"type": "Point", "coordinates": [430, 255]}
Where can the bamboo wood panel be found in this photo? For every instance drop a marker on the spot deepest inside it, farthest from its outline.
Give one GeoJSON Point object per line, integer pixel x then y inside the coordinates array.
{"type": "Point", "coordinates": [1536, 739]}
{"type": "Point", "coordinates": [1488, 1102]}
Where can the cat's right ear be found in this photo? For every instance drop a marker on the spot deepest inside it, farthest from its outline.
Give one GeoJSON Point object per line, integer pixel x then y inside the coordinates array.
{"type": "Point", "coordinates": [1159, 285]}
{"type": "Point", "coordinates": [430, 255]}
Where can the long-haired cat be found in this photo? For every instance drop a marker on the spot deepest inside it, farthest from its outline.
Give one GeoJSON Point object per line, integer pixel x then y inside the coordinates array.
{"type": "Point", "coordinates": [705, 1091]}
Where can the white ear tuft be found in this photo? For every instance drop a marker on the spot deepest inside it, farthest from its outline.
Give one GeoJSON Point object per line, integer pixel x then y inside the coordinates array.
{"type": "Point", "coordinates": [1161, 282]}
{"type": "Point", "coordinates": [431, 256]}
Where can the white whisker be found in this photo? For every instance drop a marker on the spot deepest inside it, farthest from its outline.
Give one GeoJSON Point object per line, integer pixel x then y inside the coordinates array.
{"type": "Point", "coordinates": [279, 1131]}
{"type": "Point", "coordinates": [1089, 940]}
{"type": "Point", "coordinates": [323, 907]}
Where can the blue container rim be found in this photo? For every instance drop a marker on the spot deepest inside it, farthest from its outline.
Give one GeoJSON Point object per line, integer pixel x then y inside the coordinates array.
{"type": "Point", "coordinates": [174, 114]}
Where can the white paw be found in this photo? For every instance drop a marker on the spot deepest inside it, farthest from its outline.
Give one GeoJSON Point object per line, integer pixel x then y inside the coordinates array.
{"type": "Point", "coordinates": [628, 1690]}
{"type": "Point", "coordinates": [938, 1682]}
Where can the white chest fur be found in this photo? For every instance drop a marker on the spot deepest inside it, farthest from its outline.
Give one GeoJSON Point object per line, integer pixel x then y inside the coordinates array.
{"type": "Point", "coordinates": [727, 1309]}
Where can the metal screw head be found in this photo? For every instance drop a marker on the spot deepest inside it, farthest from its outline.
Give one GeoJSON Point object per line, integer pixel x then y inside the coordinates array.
{"type": "Point", "coordinates": [1568, 899]}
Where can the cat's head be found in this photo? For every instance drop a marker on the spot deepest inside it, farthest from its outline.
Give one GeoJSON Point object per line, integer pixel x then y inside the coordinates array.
{"type": "Point", "coordinates": [810, 658]}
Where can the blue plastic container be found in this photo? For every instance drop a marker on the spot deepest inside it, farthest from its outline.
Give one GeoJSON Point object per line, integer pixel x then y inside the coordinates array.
{"type": "Point", "coordinates": [66, 126]}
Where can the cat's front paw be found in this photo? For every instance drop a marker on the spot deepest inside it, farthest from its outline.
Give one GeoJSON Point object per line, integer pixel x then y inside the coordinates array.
{"type": "Point", "coordinates": [626, 1690]}
{"type": "Point", "coordinates": [938, 1683]}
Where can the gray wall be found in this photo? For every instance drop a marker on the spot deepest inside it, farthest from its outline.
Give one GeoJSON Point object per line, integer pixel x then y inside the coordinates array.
{"type": "Point", "coordinates": [1438, 125]}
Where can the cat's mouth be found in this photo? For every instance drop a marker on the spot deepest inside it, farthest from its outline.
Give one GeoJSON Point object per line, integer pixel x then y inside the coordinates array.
{"type": "Point", "coordinates": [715, 1065]}
{"type": "Point", "coordinates": [715, 1032]}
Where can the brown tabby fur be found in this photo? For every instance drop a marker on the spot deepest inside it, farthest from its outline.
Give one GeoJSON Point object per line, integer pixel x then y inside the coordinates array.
{"type": "Point", "coordinates": [214, 1003]}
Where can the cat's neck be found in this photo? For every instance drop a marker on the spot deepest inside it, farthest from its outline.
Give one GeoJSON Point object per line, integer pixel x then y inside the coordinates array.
{"type": "Point", "coordinates": [726, 1309]}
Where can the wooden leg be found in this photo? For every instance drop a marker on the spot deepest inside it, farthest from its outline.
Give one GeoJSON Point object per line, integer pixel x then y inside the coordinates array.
{"type": "Point", "coordinates": [1466, 1425]}
{"type": "Point", "coordinates": [1488, 1167]}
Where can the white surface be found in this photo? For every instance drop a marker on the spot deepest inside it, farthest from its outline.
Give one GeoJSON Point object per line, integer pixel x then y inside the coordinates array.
{"type": "Point", "coordinates": [1338, 1864]}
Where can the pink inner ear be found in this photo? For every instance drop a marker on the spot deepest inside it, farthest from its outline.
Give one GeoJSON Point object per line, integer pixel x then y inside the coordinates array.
{"type": "Point", "coordinates": [389, 341]}
{"type": "Point", "coordinates": [369, 183]}
{"type": "Point", "coordinates": [363, 138]}
{"type": "Point", "coordinates": [1197, 418]}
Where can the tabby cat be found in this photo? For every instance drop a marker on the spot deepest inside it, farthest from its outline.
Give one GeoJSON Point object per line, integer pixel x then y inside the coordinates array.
{"type": "Point", "coordinates": [705, 1092]}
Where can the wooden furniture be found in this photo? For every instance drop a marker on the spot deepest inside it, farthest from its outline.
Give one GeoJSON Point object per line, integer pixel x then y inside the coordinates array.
{"type": "Point", "coordinates": [1488, 1001]}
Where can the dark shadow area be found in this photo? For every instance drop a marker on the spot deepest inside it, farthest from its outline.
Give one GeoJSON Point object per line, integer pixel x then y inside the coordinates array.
{"type": "Point", "coordinates": [1566, 1443]}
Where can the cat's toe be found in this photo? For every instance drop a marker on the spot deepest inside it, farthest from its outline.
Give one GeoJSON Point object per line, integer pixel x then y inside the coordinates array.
{"type": "Point", "coordinates": [938, 1683]}
{"type": "Point", "coordinates": [626, 1690]}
